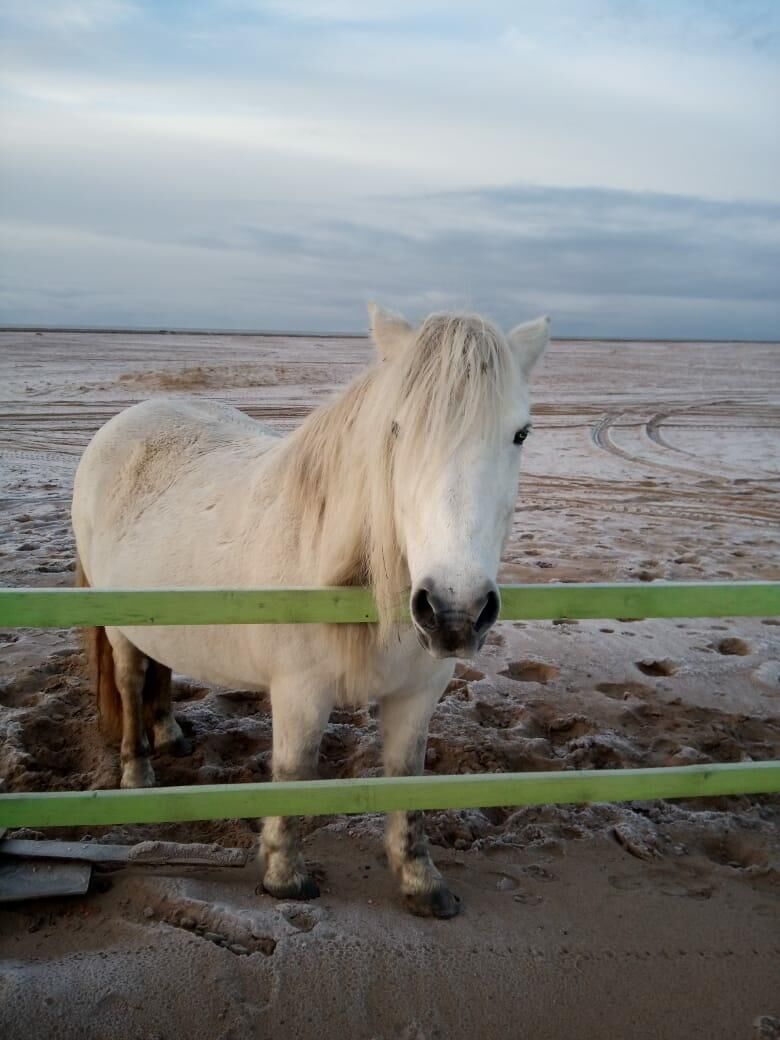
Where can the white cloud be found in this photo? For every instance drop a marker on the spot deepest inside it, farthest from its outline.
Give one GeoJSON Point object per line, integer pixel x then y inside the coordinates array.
{"type": "Point", "coordinates": [449, 111]}
{"type": "Point", "coordinates": [180, 128]}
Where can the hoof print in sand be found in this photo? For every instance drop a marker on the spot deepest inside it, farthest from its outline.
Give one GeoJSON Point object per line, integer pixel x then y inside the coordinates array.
{"type": "Point", "coordinates": [621, 691]}
{"type": "Point", "coordinates": [468, 674]}
{"type": "Point", "coordinates": [531, 671]}
{"type": "Point", "coordinates": [657, 668]}
{"type": "Point", "coordinates": [637, 840]}
{"type": "Point", "coordinates": [570, 726]}
{"type": "Point", "coordinates": [528, 898]}
{"type": "Point", "coordinates": [733, 647]}
{"type": "Point", "coordinates": [497, 716]}
{"type": "Point", "coordinates": [302, 918]}
{"type": "Point", "coordinates": [235, 936]}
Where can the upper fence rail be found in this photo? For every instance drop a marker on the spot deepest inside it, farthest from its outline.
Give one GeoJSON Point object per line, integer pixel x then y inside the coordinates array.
{"type": "Point", "coordinates": [66, 608]}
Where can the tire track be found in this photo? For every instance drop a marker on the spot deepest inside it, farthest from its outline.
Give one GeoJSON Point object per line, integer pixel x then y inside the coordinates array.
{"type": "Point", "coordinates": [602, 437]}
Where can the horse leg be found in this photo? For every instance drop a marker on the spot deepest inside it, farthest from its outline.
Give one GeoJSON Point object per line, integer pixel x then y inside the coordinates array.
{"type": "Point", "coordinates": [130, 667]}
{"type": "Point", "coordinates": [299, 719]}
{"type": "Point", "coordinates": [167, 736]}
{"type": "Point", "coordinates": [405, 721]}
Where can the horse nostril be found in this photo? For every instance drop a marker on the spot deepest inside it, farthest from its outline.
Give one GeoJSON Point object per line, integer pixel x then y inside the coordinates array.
{"type": "Point", "coordinates": [489, 613]}
{"type": "Point", "coordinates": [422, 609]}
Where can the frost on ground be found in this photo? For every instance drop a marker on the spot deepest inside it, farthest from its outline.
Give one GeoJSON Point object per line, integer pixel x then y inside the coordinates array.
{"type": "Point", "coordinates": [645, 463]}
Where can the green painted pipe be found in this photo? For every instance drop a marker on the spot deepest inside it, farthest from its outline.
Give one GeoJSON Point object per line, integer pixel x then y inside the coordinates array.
{"type": "Point", "coordinates": [382, 794]}
{"type": "Point", "coordinates": [61, 608]}
{"type": "Point", "coordinates": [65, 608]}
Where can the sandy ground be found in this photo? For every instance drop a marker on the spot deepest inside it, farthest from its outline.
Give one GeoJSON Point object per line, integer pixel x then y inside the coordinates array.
{"type": "Point", "coordinates": [648, 460]}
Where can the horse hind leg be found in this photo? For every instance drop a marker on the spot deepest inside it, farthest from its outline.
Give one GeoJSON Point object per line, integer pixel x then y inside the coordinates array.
{"type": "Point", "coordinates": [130, 668]}
{"type": "Point", "coordinates": [165, 731]}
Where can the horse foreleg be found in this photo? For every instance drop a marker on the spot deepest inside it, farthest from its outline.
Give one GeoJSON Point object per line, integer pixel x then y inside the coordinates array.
{"type": "Point", "coordinates": [130, 676]}
{"type": "Point", "coordinates": [405, 730]}
{"type": "Point", "coordinates": [299, 720]}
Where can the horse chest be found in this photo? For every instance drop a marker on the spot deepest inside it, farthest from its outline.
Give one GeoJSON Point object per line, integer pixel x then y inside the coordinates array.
{"type": "Point", "coordinates": [399, 669]}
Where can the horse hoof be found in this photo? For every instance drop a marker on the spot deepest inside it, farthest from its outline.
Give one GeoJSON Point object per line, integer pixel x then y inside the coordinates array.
{"type": "Point", "coordinates": [137, 772]}
{"type": "Point", "coordinates": [303, 887]}
{"type": "Point", "coordinates": [439, 902]}
{"type": "Point", "coordinates": [181, 747]}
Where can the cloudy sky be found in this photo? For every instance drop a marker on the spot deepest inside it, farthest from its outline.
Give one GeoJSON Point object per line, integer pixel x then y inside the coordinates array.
{"type": "Point", "coordinates": [241, 164]}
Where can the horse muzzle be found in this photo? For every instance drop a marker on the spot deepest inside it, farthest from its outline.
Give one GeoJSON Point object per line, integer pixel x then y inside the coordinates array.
{"type": "Point", "coordinates": [445, 629]}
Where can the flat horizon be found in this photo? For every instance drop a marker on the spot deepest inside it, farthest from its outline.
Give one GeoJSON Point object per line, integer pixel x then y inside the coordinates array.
{"type": "Point", "coordinates": [162, 330]}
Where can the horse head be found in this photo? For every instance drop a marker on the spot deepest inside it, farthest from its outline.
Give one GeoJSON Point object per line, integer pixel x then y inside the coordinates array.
{"type": "Point", "coordinates": [457, 408]}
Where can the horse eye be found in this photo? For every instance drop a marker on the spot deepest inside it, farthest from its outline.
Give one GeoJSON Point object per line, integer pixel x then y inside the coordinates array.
{"type": "Point", "coordinates": [521, 435]}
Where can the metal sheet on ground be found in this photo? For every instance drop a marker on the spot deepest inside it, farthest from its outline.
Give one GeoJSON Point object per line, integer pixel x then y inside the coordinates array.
{"type": "Point", "coordinates": [152, 853]}
{"type": "Point", "coordinates": [25, 880]}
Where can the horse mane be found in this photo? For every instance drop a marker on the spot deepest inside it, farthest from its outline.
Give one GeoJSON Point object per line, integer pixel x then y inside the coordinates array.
{"type": "Point", "coordinates": [399, 420]}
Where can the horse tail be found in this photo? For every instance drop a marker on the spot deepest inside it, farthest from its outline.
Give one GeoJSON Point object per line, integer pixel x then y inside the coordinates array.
{"type": "Point", "coordinates": [100, 659]}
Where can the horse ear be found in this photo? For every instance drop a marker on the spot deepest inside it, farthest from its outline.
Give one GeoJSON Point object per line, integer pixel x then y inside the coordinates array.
{"type": "Point", "coordinates": [528, 342]}
{"type": "Point", "coordinates": [391, 333]}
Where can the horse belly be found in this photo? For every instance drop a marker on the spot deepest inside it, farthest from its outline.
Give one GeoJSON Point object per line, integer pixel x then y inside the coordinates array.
{"type": "Point", "coordinates": [216, 654]}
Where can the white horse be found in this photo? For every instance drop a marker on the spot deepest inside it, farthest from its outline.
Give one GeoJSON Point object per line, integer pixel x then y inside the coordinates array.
{"type": "Point", "coordinates": [405, 483]}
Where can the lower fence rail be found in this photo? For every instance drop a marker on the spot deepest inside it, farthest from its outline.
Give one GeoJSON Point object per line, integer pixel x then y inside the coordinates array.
{"type": "Point", "coordinates": [384, 794]}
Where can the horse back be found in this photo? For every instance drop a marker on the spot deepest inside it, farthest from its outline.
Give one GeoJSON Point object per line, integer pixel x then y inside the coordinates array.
{"type": "Point", "coordinates": [162, 455]}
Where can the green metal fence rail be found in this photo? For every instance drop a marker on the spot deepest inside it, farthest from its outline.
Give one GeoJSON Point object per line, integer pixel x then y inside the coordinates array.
{"type": "Point", "coordinates": [65, 608]}
{"type": "Point", "coordinates": [384, 794]}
